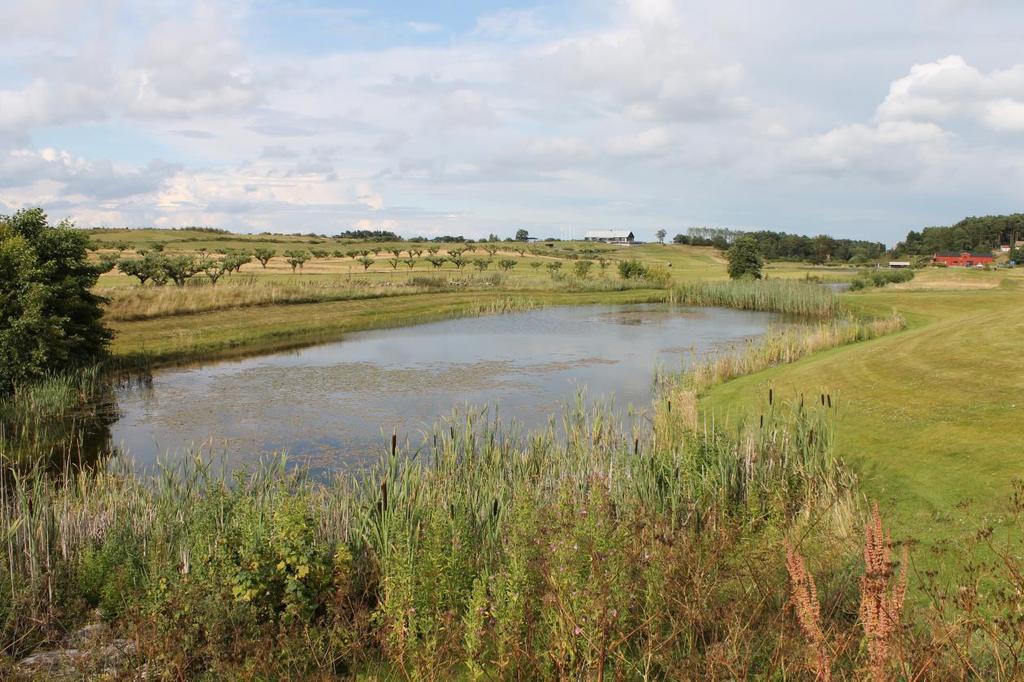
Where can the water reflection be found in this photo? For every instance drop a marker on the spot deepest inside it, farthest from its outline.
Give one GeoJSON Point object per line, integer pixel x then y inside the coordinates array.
{"type": "Point", "coordinates": [334, 406]}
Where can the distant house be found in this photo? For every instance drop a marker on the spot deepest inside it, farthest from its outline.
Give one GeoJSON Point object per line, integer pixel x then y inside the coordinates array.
{"type": "Point", "coordinates": [899, 264]}
{"type": "Point", "coordinates": [609, 236]}
{"type": "Point", "coordinates": [964, 259]}
{"type": "Point", "coordinates": [1005, 248]}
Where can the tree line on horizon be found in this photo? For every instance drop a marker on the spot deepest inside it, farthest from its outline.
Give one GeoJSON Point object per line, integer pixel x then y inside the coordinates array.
{"type": "Point", "coordinates": [785, 246]}
{"type": "Point", "coordinates": [983, 233]}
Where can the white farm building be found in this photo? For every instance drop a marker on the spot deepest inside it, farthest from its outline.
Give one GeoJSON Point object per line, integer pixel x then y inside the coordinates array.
{"type": "Point", "coordinates": [609, 236]}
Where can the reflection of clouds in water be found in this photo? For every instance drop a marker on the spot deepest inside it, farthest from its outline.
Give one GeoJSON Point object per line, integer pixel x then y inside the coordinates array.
{"type": "Point", "coordinates": [336, 404]}
{"type": "Point", "coordinates": [639, 317]}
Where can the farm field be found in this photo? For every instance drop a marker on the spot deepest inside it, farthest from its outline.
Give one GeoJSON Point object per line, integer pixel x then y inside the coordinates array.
{"type": "Point", "coordinates": [682, 261]}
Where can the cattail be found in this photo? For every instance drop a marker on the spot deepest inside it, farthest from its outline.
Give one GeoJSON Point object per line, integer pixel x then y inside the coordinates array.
{"type": "Point", "coordinates": [808, 611]}
{"type": "Point", "coordinates": [880, 604]}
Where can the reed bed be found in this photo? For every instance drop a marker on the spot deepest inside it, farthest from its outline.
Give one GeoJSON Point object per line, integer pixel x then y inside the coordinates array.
{"type": "Point", "coordinates": [507, 304]}
{"type": "Point", "coordinates": [534, 554]}
{"type": "Point", "coordinates": [785, 347]}
{"type": "Point", "coordinates": [50, 422]}
{"type": "Point", "coordinates": [789, 296]}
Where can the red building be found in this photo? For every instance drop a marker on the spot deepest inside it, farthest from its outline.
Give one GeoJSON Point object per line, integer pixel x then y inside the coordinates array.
{"type": "Point", "coordinates": [964, 259]}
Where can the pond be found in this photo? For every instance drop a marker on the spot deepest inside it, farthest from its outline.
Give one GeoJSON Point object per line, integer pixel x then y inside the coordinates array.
{"type": "Point", "coordinates": [334, 406]}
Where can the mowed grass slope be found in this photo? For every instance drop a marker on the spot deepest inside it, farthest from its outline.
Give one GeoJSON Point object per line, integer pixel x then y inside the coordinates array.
{"type": "Point", "coordinates": [931, 416]}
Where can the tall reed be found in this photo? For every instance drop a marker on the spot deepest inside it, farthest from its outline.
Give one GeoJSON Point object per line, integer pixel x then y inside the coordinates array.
{"type": "Point", "coordinates": [791, 296]}
{"type": "Point", "coordinates": [782, 347]}
{"type": "Point", "coordinates": [53, 421]}
{"type": "Point", "coordinates": [405, 543]}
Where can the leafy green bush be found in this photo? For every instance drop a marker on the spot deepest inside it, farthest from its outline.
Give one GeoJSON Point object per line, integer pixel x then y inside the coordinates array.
{"type": "Point", "coordinates": [632, 269]}
{"type": "Point", "coordinates": [880, 278]}
{"type": "Point", "coordinates": [658, 277]}
{"type": "Point", "coordinates": [110, 575]}
{"type": "Point", "coordinates": [49, 318]}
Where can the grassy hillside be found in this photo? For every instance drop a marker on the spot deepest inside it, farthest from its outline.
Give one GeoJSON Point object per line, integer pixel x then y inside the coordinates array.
{"type": "Point", "coordinates": [684, 262]}
{"type": "Point", "coordinates": [932, 415]}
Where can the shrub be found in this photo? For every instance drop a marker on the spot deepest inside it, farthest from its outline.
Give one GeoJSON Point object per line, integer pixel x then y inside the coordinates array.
{"type": "Point", "coordinates": [49, 317]}
{"type": "Point", "coordinates": [582, 268]}
{"type": "Point", "coordinates": [264, 255]}
{"type": "Point", "coordinates": [658, 277]}
{"type": "Point", "coordinates": [632, 269]}
{"type": "Point", "coordinates": [428, 282]}
{"type": "Point", "coordinates": [880, 278]}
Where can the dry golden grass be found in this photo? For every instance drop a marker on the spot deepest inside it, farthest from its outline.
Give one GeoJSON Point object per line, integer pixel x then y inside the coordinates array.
{"type": "Point", "coordinates": [786, 347]}
{"type": "Point", "coordinates": [139, 303]}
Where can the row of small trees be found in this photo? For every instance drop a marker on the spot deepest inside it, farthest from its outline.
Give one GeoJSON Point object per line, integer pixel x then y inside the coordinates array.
{"type": "Point", "coordinates": [160, 269]}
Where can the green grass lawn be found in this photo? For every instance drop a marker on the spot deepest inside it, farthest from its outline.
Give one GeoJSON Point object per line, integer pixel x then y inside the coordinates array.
{"type": "Point", "coordinates": [932, 416]}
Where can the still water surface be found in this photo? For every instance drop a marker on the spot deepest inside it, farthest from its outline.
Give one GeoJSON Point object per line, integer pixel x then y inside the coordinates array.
{"type": "Point", "coordinates": [334, 406]}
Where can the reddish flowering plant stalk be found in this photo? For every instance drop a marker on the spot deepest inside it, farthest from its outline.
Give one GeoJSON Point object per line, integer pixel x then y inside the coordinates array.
{"type": "Point", "coordinates": [880, 604]}
{"type": "Point", "coordinates": [808, 612]}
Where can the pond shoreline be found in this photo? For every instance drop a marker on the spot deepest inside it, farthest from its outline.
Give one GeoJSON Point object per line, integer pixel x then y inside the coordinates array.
{"type": "Point", "coordinates": [332, 404]}
{"type": "Point", "coordinates": [187, 340]}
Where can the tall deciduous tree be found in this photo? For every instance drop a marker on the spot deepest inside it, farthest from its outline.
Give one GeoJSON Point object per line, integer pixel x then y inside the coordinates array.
{"type": "Point", "coordinates": [50, 320]}
{"type": "Point", "coordinates": [745, 259]}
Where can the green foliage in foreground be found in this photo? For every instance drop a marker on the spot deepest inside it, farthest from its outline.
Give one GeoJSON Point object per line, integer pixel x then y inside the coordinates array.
{"type": "Point", "coordinates": [599, 551]}
{"type": "Point", "coordinates": [49, 318]}
{"type": "Point", "coordinates": [778, 295]}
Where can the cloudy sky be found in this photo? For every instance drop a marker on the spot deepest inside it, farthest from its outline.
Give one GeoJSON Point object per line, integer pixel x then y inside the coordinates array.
{"type": "Point", "coordinates": [855, 119]}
